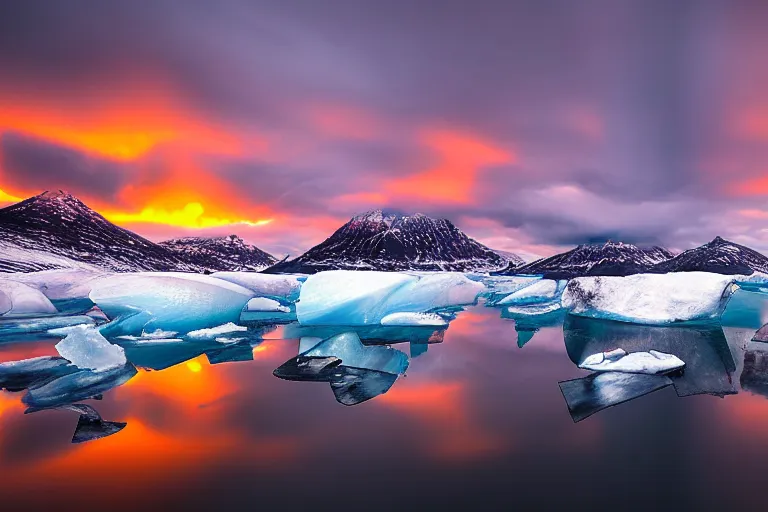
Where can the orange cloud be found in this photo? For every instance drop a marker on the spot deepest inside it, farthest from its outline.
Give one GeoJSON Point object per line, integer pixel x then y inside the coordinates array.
{"type": "Point", "coordinates": [753, 187]}
{"type": "Point", "coordinates": [460, 157]}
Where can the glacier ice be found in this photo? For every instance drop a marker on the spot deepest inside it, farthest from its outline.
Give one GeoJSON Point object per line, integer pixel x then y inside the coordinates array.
{"type": "Point", "coordinates": [159, 354]}
{"type": "Point", "coordinates": [709, 361]}
{"type": "Point", "coordinates": [277, 286]}
{"type": "Point", "coordinates": [348, 347]}
{"type": "Point", "coordinates": [591, 394]}
{"type": "Point", "coordinates": [498, 287]}
{"type": "Point", "coordinates": [18, 375]}
{"type": "Point", "coordinates": [86, 348]}
{"type": "Point", "coordinates": [541, 291]}
{"type": "Point", "coordinates": [77, 386]}
{"type": "Point", "coordinates": [263, 304]}
{"type": "Point", "coordinates": [650, 298]}
{"type": "Point", "coordinates": [170, 301]}
{"type": "Point", "coordinates": [414, 319]}
{"type": "Point", "coordinates": [532, 310]}
{"type": "Point", "coordinates": [25, 325]}
{"type": "Point", "coordinates": [18, 299]}
{"type": "Point", "coordinates": [219, 330]}
{"type": "Point", "coordinates": [59, 284]}
{"type": "Point", "coordinates": [651, 362]}
{"type": "Point", "coordinates": [342, 297]}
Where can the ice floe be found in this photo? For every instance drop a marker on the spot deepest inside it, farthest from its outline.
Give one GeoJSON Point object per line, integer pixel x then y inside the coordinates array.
{"type": "Point", "coordinates": [651, 362]}
{"type": "Point", "coordinates": [86, 348]}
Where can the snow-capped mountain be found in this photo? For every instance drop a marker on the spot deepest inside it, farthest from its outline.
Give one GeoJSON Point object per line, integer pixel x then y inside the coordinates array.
{"type": "Point", "coordinates": [718, 256]}
{"type": "Point", "coordinates": [608, 259]}
{"type": "Point", "coordinates": [56, 230]}
{"type": "Point", "coordinates": [226, 253]}
{"type": "Point", "coordinates": [381, 240]}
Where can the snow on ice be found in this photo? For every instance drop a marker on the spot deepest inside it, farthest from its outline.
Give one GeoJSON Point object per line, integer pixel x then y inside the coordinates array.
{"type": "Point", "coordinates": [651, 362]}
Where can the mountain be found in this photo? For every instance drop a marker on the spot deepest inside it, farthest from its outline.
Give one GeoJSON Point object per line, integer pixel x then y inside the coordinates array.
{"type": "Point", "coordinates": [719, 256]}
{"type": "Point", "coordinates": [222, 253]}
{"type": "Point", "coordinates": [513, 260]}
{"type": "Point", "coordinates": [56, 230]}
{"type": "Point", "coordinates": [382, 240]}
{"type": "Point", "coordinates": [608, 259]}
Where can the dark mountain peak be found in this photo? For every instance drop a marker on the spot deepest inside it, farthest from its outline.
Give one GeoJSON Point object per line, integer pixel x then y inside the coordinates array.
{"type": "Point", "coordinates": [597, 259]}
{"type": "Point", "coordinates": [718, 256]}
{"type": "Point", "coordinates": [391, 240]}
{"type": "Point", "coordinates": [220, 253]}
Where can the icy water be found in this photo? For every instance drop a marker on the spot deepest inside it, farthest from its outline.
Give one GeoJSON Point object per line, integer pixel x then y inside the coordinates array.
{"type": "Point", "coordinates": [476, 421]}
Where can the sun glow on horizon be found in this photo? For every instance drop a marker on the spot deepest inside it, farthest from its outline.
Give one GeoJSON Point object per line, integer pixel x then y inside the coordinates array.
{"type": "Point", "coordinates": [191, 216]}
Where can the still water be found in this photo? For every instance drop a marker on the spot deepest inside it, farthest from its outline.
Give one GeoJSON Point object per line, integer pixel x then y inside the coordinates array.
{"type": "Point", "coordinates": [475, 421]}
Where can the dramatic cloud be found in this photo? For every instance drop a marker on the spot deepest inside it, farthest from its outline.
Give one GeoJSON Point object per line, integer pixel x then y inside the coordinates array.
{"type": "Point", "coordinates": [533, 125]}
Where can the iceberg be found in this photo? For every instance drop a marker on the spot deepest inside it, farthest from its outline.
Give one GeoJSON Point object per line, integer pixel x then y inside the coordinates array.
{"type": "Point", "coordinates": [591, 394]}
{"type": "Point", "coordinates": [651, 362]}
{"type": "Point", "coordinates": [541, 291]}
{"type": "Point", "coordinates": [353, 353]}
{"type": "Point", "coordinates": [237, 352]}
{"type": "Point", "coordinates": [220, 330]}
{"type": "Point", "coordinates": [86, 348]}
{"type": "Point", "coordinates": [159, 354]}
{"type": "Point", "coordinates": [19, 375]}
{"type": "Point", "coordinates": [266, 305]}
{"type": "Point", "coordinates": [90, 425]}
{"type": "Point", "coordinates": [532, 310]}
{"type": "Point", "coordinates": [16, 326]}
{"type": "Point", "coordinates": [709, 363]}
{"type": "Point", "coordinates": [371, 334]}
{"type": "Point", "coordinates": [342, 297]}
{"type": "Point", "coordinates": [18, 299]}
{"type": "Point", "coordinates": [64, 284]}
{"type": "Point", "coordinates": [170, 301]}
{"type": "Point", "coordinates": [414, 319]}
{"type": "Point", "coordinates": [499, 287]}
{"type": "Point", "coordinates": [277, 286]}
{"type": "Point", "coordinates": [653, 299]}
{"type": "Point", "coordinates": [78, 386]}
{"type": "Point", "coordinates": [308, 369]}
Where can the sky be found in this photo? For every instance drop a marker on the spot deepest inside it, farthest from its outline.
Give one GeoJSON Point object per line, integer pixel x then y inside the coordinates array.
{"type": "Point", "coordinates": [532, 125]}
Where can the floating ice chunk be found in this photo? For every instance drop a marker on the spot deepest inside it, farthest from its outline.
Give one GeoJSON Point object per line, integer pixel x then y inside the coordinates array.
{"type": "Point", "coordinates": [353, 386]}
{"type": "Point", "coordinates": [18, 375]}
{"type": "Point", "coordinates": [24, 325]}
{"type": "Point", "coordinates": [414, 319]}
{"type": "Point", "coordinates": [341, 297]}
{"type": "Point", "coordinates": [651, 362]}
{"type": "Point", "coordinates": [86, 348]}
{"type": "Point", "coordinates": [259, 304]}
{"type": "Point", "coordinates": [74, 387]}
{"type": "Point", "coordinates": [171, 301]}
{"type": "Point", "coordinates": [213, 332]}
{"type": "Point", "coordinates": [157, 334]}
{"type": "Point", "coordinates": [593, 393]}
{"type": "Point", "coordinates": [498, 287]}
{"type": "Point", "coordinates": [18, 299]}
{"type": "Point", "coordinates": [352, 352]}
{"type": "Point", "coordinates": [544, 290]}
{"type": "Point", "coordinates": [533, 310]}
{"type": "Point", "coordinates": [281, 286]}
{"type": "Point", "coordinates": [650, 298]}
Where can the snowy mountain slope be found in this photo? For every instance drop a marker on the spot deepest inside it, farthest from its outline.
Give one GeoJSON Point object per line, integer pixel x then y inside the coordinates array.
{"type": "Point", "coordinates": [380, 240]}
{"type": "Point", "coordinates": [718, 256]}
{"type": "Point", "coordinates": [227, 253]}
{"type": "Point", "coordinates": [56, 230]}
{"type": "Point", "coordinates": [608, 259]}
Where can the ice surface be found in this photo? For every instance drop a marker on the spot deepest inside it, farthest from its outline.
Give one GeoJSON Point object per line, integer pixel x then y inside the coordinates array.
{"type": "Point", "coordinates": [543, 290]}
{"type": "Point", "coordinates": [18, 299]}
{"type": "Point", "coordinates": [259, 304]}
{"type": "Point", "coordinates": [59, 284]}
{"type": "Point", "coordinates": [86, 348]}
{"type": "Point", "coordinates": [278, 286]}
{"type": "Point", "coordinates": [353, 353]}
{"type": "Point", "coordinates": [171, 301]}
{"type": "Point", "coordinates": [592, 394]}
{"type": "Point", "coordinates": [341, 297]}
{"type": "Point", "coordinates": [498, 287]}
{"type": "Point", "coordinates": [651, 362]}
{"type": "Point", "coordinates": [18, 375]}
{"type": "Point", "coordinates": [532, 310]}
{"type": "Point", "coordinates": [650, 298]}
{"type": "Point", "coordinates": [16, 326]}
{"type": "Point", "coordinates": [230, 354]}
{"type": "Point", "coordinates": [219, 330]}
{"type": "Point", "coordinates": [414, 319]}
{"type": "Point", "coordinates": [159, 354]}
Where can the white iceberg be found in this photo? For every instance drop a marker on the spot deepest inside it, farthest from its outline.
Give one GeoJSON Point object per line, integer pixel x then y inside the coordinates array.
{"type": "Point", "coordinates": [170, 301]}
{"type": "Point", "coordinates": [86, 348]}
{"type": "Point", "coordinates": [60, 284]}
{"type": "Point", "coordinates": [219, 330]}
{"type": "Point", "coordinates": [544, 290]}
{"type": "Point", "coordinates": [651, 362]}
{"type": "Point", "coordinates": [498, 287]}
{"type": "Point", "coordinates": [533, 310]}
{"type": "Point", "coordinates": [278, 286]}
{"type": "Point", "coordinates": [263, 304]}
{"type": "Point", "coordinates": [18, 299]}
{"type": "Point", "coordinates": [414, 319]}
{"type": "Point", "coordinates": [342, 297]}
{"type": "Point", "coordinates": [653, 299]}
{"type": "Point", "coordinates": [348, 347]}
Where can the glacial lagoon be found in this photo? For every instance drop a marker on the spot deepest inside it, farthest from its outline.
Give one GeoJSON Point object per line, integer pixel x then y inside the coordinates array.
{"type": "Point", "coordinates": [490, 407]}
